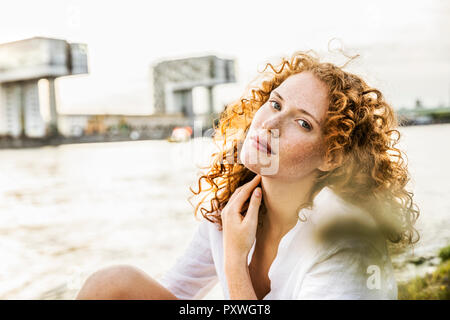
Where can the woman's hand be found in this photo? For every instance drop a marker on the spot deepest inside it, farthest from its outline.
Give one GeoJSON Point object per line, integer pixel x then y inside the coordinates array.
{"type": "Point", "coordinates": [239, 232]}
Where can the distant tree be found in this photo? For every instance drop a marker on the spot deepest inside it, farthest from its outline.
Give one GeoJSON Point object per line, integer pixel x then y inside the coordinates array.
{"type": "Point", "coordinates": [418, 104]}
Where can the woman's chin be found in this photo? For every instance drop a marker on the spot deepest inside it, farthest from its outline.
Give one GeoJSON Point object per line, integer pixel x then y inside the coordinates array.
{"type": "Point", "coordinates": [255, 166]}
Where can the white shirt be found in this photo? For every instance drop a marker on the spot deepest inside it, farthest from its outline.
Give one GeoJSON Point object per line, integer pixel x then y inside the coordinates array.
{"type": "Point", "coordinates": [352, 266]}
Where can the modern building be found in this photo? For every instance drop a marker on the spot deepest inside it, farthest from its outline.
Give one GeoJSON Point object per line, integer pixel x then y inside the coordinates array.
{"type": "Point", "coordinates": [22, 64]}
{"type": "Point", "coordinates": [174, 80]}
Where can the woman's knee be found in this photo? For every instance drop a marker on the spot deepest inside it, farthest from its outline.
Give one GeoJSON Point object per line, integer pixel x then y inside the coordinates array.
{"type": "Point", "coordinates": [114, 282]}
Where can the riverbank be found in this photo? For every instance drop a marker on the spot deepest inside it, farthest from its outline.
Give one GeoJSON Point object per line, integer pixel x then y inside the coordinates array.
{"type": "Point", "coordinates": [432, 286]}
{"type": "Point", "coordinates": [22, 143]}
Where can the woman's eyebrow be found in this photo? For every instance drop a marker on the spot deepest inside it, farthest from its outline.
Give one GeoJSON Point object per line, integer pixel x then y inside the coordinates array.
{"type": "Point", "coordinates": [299, 109]}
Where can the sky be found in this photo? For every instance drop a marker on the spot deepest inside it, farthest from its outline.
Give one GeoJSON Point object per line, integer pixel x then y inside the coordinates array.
{"type": "Point", "coordinates": [404, 46]}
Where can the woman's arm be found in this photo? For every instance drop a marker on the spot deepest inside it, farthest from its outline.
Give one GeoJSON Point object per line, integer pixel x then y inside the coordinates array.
{"type": "Point", "coordinates": [194, 273]}
{"type": "Point", "coordinates": [238, 279]}
{"type": "Point", "coordinates": [239, 234]}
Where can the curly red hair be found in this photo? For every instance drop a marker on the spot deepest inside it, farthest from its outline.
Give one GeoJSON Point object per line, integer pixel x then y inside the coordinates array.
{"type": "Point", "coordinates": [360, 134]}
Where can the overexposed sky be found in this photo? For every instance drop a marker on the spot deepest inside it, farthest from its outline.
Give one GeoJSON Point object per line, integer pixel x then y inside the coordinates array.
{"type": "Point", "coordinates": [404, 45]}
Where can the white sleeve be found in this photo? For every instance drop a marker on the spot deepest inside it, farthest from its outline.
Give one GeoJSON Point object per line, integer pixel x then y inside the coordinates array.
{"type": "Point", "coordinates": [194, 274]}
{"type": "Point", "coordinates": [352, 272]}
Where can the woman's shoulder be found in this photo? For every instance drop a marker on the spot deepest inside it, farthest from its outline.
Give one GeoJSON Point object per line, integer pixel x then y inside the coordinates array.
{"type": "Point", "coordinates": [338, 228]}
{"type": "Point", "coordinates": [349, 253]}
{"type": "Point", "coordinates": [208, 229]}
{"type": "Point", "coordinates": [337, 222]}
{"type": "Point", "coordinates": [207, 223]}
{"type": "Point", "coordinates": [350, 269]}
{"type": "Point", "coordinates": [361, 248]}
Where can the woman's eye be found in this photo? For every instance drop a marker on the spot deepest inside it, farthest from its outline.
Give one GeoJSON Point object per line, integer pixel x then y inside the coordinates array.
{"type": "Point", "coordinates": [307, 124]}
{"type": "Point", "coordinates": [274, 103]}
{"type": "Point", "coordinates": [277, 106]}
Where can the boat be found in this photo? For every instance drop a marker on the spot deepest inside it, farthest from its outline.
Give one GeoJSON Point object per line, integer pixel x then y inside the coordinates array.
{"type": "Point", "coordinates": [180, 134]}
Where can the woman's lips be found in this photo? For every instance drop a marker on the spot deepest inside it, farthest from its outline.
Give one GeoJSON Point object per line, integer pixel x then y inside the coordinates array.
{"type": "Point", "coordinates": [261, 145]}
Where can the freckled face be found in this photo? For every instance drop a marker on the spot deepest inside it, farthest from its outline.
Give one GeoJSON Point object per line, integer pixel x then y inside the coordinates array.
{"type": "Point", "coordinates": [300, 142]}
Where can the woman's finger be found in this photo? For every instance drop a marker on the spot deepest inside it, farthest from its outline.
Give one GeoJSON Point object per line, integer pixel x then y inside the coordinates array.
{"type": "Point", "coordinates": [236, 192]}
{"type": "Point", "coordinates": [240, 196]}
{"type": "Point", "coordinates": [253, 208]}
{"type": "Point", "coordinates": [246, 190]}
{"type": "Point", "coordinates": [239, 189]}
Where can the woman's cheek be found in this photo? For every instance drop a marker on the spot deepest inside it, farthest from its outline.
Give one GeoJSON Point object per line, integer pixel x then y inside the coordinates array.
{"type": "Point", "coordinates": [300, 158]}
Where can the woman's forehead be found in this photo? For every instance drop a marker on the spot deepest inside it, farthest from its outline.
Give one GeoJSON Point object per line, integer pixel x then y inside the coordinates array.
{"type": "Point", "coordinates": [304, 90]}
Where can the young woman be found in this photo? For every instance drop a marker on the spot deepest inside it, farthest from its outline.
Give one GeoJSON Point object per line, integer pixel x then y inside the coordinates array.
{"type": "Point", "coordinates": [306, 193]}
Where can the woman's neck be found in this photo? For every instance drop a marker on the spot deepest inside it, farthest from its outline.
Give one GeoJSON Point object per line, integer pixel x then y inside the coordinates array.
{"type": "Point", "coordinates": [282, 199]}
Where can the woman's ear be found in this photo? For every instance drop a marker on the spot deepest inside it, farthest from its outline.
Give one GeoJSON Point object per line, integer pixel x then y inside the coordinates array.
{"type": "Point", "coordinates": [330, 164]}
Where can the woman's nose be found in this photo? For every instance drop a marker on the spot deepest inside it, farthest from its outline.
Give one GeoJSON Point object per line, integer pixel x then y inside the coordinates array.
{"type": "Point", "coordinates": [272, 124]}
